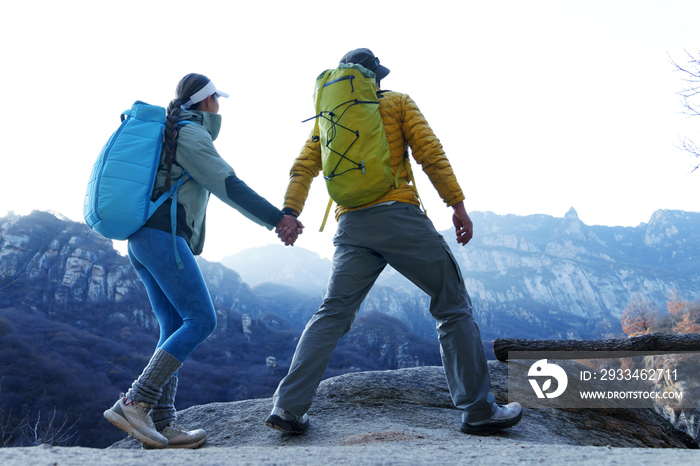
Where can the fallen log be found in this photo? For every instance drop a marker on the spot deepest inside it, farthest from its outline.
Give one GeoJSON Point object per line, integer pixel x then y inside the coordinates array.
{"type": "Point", "coordinates": [657, 343]}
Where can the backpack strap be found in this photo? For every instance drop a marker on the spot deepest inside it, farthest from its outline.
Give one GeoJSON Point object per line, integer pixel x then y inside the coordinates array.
{"type": "Point", "coordinates": [325, 216]}
{"type": "Point", "coordinates": [173, 206]}
{"type": "Point", "coordinates": [173, 211]}
{"type": "Point", "coordinates": [173, 218]}
{"type": "Point", "coordinates": [405, 163]}
{"type": "Point", "coordinates": [316, 134]}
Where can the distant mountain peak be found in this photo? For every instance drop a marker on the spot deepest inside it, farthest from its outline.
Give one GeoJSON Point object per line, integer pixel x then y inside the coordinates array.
{"type": "Point", "coordinates": [665, 216]}
{"type": "Point", "coordinates": [571, 214]}
{"type": "Point", "coordinates": [296, 267]}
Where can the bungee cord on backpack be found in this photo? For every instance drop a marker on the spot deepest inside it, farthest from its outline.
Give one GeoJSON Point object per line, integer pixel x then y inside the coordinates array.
{"type": "Point", "coordinates": [331, 134]}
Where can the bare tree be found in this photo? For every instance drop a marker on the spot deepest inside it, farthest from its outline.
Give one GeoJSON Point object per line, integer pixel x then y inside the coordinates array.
{"type": "Point", "coordinates": [690, 96]}
{"type": "Point", "coordinates": [675, 303]}
{"type": "Point", "coordinates": [640, 316]}
{"type": "Point", "coordinates": [11, 432]}
{"type": "Point", "coordinates": [51, 433]}
{"type": "Point", "coordinates": [27, 433]}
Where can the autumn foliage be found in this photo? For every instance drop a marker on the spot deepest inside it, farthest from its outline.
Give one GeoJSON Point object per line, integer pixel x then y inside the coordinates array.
{"type": "Point", "coordinates": [642, 316]}
{"type": "Point", "coordinates": [639, 316]}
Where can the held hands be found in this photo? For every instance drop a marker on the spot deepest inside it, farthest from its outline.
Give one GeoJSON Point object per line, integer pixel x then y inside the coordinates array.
{"type": "Point", "coordinates": [288, 229]}
{"type": "Point", "coordinates": [463, 224]}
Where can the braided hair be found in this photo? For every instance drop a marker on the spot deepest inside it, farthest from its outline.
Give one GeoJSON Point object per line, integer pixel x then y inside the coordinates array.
{"type": "Point", "coordinates": [187, 86]}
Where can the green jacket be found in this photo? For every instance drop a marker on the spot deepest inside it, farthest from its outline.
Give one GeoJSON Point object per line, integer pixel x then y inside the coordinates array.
{"type": "Point", "coordinates": [210, 174]}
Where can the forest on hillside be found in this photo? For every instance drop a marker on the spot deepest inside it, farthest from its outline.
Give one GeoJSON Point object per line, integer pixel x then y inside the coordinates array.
{"type": "Point", "coordinates": [48, 368]}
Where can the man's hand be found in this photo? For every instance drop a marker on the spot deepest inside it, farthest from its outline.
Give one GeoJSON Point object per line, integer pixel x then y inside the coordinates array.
{"type": "Point", "coordinates": [288, 229]}
{"type": "Point", "coordinates": [463, 224]}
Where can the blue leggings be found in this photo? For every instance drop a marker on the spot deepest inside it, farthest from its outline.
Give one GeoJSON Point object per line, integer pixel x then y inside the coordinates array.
{"type": "Point", "coordinates": [180, 298]}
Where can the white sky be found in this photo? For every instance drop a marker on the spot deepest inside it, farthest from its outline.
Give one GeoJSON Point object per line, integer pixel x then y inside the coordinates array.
{"type": "Point", "coordinates": [540, 105]}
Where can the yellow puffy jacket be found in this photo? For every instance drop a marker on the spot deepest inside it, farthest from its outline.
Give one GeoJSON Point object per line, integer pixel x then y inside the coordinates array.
{"type": "Point", "coordinates": [404, 124]}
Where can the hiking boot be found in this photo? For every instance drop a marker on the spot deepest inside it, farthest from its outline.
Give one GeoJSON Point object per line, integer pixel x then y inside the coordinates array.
{"type": "Point", "coordinates": [287, 422]}
{"type": "Point", "coordinates": [179, 437]}
{"type": "Point", "coordinates": [504, 417]}
{"type": "Point", "coordinates": [135, 419]}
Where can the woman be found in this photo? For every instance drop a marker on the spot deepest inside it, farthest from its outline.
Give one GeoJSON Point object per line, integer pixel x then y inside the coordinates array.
{"type": "Point", "coordinates": [166, 263]}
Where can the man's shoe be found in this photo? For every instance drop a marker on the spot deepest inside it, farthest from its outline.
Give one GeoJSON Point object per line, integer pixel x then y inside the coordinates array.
{"type": "Point", "coordinates": [504, 417]}
{"type": "Point", "coordinates": [179, 437]}
{"type": "Point", "coordinates": [135, 419]}
{"type": "Point", "coordinates": [287, 422]}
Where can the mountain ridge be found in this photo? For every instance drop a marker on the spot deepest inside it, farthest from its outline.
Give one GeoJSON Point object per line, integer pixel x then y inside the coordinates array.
{"type": "Point", "coordinates": [538, 269]}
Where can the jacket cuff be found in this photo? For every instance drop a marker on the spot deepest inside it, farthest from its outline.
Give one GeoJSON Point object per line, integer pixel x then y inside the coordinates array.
{"type": "Point", "coordinates": [290, 211]}
{"type": "Point", "coordinates": [455, 201]}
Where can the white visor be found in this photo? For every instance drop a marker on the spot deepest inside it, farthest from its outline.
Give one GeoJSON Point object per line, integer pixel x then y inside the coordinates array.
{"type": "Point", "coordinates": [202, 94]}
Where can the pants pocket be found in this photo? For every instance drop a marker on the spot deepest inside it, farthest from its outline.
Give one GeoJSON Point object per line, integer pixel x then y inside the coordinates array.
{"type": "Point", "coordinates": [454, 262]}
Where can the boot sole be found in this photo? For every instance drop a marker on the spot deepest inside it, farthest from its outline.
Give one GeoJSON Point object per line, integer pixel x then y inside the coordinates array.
{"type": "Point", "coordinates": [191, 446]}
{"type": "Point", "coordinates": [486, 429]}
{"type": "Point", "coordinates": [280, 424]}
{"type": "Point", "coordinates": [126, 426]}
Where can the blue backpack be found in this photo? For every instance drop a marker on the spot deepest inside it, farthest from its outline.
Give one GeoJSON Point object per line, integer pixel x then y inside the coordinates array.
{"type": "Point", "coordinates": [118, 199]}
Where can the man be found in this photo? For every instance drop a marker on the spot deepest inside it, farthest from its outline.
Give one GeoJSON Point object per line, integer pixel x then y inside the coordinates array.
{"type": "Point", "coordinates": [392, 230]}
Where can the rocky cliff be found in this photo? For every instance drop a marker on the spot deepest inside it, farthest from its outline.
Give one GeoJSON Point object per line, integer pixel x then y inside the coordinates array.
{"type": "Point", "coordinates": [563, 266]}
{"type": "Point", "coordinates": [416, 403]}
{"type": "Point", "coordinates": [53, 262]}
{"type": "Point", "coordinates": [401, 417]}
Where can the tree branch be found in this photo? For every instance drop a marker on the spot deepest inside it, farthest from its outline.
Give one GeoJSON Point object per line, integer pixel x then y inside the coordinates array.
{"type": "Point", "coordinates": [652, 343]}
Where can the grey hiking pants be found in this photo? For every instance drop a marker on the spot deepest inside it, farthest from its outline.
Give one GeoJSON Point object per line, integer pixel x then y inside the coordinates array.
{"type": "Point", "coordinates": [366, 241]}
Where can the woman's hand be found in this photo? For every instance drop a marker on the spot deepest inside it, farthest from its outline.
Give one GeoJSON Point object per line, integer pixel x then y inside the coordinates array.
{"type": "Point", "coordinates": [288, 229]}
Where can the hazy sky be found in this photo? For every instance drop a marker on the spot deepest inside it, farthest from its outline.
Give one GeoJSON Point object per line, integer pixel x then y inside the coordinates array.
{"type": "Point", "coordinates": [541, 105]}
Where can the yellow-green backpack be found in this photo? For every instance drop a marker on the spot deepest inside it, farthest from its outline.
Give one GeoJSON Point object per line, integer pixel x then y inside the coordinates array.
{"type": "Point", "coordinates": [354, 148]}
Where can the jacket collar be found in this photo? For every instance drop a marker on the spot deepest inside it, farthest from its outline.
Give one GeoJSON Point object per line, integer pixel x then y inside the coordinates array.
{"type": "Point", "coordinates": [210, 121]}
